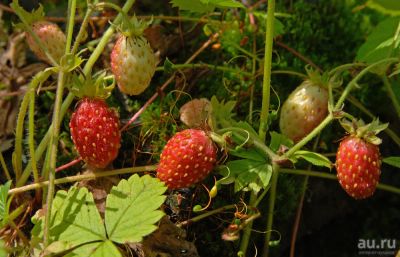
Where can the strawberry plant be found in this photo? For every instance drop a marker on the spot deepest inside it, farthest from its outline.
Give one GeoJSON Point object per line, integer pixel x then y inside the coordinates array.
{"type": "Point", "coordinates": [228, 112]}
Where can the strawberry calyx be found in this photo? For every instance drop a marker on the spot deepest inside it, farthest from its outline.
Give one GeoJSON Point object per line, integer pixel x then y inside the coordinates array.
{"type": "Point", "coordinates": [368, 132]}
{"type": "Point", "coordinates": [96, 86]}
{"type": "Point", "coordinates": [132, 27]}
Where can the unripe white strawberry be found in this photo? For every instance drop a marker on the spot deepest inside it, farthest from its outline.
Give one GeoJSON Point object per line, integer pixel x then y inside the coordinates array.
{"type": "Point", "coordinates": [133, 64]}
{"type": "Point", "coordinates": [51, 36]}
{"type": "Point", "coordinates": [304, 109]}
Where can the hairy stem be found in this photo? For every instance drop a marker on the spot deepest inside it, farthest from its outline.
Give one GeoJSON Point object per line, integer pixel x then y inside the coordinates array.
{"type": "Point", "coordinates": [3, 164]}
{"type": "Point", "coordinates": [87, 176]}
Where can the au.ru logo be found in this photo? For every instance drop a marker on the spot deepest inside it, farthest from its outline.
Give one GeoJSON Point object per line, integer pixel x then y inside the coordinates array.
{"type": "Point", "coordinates": [377, 247]}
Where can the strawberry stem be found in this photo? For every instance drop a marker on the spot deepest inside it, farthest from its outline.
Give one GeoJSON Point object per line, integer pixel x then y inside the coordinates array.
{"type": "Point", "coordinates": [87, 176]}
{"type": "Point", "coordinates": [391, 94]}
{"type": "Point", "coordinates": [56, 121]}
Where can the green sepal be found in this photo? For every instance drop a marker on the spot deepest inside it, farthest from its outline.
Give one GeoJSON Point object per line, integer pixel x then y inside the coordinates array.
{"type": "Point", "coordinates": [132, 27]}
{"type": "Point", "coordinates": [367, 132]}
{"type": "Point", "coordinates": [70, 62]}
{"type": "Point", "coordinates": [96, 86]}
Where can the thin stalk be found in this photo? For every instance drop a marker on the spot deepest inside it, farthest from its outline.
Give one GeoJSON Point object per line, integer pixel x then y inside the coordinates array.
{"type": "Point", "coordinates": [70, 25]}
{"type": "Point", "coordinates": [4, 166]}
{"type": "Point", "coordinates": [326, 175]}
{"type": "Point", "coordinates": [267, 70]}
{"type": "Point", "coordinates": [51, 167]}
{"type": "Point", "coordinates": [310, 136]}
{"type": "Point", "coordinates": [289, 72]}
{"type": "Point", "coordinates": [206, 214]}
{"type": "Point", "coordinates": [300, 206]}
{"type": "Point", "coordinates": [354, 81]}
{"type": "Point", "coordinates": [270, 213]}
{"type": "Point", "coordinates": [205, 65]}
{"type": "Point", "coordinates": [53, 144]}
{"type": "Point", "coordinates": [253, 71]}
{"type": "Point", "coordinates": [88, 176]}
{"type": "Point", "coordinates": [82, 30]}
{"type": "Point", "coordinates": [244, 242]}
{"type": "Point", "coordinates": [391, 94]}
{"type": "Point", "coordinates": [19, 132]}
{"type": "Point", "coordinates": [31, 134]}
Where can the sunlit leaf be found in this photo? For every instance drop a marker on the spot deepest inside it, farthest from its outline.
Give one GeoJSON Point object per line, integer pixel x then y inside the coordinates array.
{"type": "Point", "coordinates": [132, 208]}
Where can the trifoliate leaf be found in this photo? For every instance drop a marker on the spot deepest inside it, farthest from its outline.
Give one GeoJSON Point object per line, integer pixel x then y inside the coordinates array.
{"type": "Point", "coordinates": [313, 158]}
{"type": "Point", "coordinates": [392, 160]}
{"type": "Point", "coordinates": [132, 208]}
{"type": "Point", "coordinates": [390, 7]}
{"type": "Point", "coordinates": [74, 221]}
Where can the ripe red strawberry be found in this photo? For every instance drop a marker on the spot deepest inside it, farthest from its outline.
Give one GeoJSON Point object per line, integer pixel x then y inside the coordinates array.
{"type": "Point", "coordinates": [187, 158]}
{"type": "Point", "coordinates": [95, 132]}
{"type": "Point", "coordinates": [133, 64]}
{"type": "Point", "coordinates": [51, 36]}
{"type": "Point", "coordinates": [304, 109]}
{"type": "Point", "coordinates": [358, 167]}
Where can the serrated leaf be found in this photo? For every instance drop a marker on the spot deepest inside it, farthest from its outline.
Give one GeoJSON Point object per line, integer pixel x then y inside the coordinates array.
{"type": "Point", "coordinates": [132, 208]}
{"type": "Point", "coordinates": [279, 139]}
{"type": "Point", "coordinates": [28, 17]}
{"type": "Point", "coordinates": [391, 7]}
{"type": "Point", "coordinates": [97, 249]}
{"type": "Point", "coordinates": [313, 158]}
{"type": "Point", "coordinates": [3, 199]}
{"type": "Point", "coordinates": [250, 173]}
{"type": "Point", "coordinates": [221, 113]}
{"type": "Point", "coordinates": [392, 160]}
{"type": "Point", "coordinates": [248, 153]}
{"type": "Point", "coordinates": [380, 44]}
{"type": "Point", "coordinates": [74, 220]}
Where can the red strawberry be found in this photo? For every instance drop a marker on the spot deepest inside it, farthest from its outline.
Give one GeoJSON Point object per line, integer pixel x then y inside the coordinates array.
{"type": "Point", "coordinates": [51, 36]}
{"type": "Point", "coordinates": [188, 157]}
{"type": "Point", "coordinates": [304, 109]}
{"type": "Point", "coordinates": [95, 132]}
{"type": "Point", "coordinates": [358, 167]}
{"type": "Point", "coordinates": [133, 64]}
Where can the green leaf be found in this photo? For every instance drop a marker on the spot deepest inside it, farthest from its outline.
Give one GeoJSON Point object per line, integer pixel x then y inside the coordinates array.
{"type": "Point", "coordinates": [3, 199]}
{"type": "Point", "coordinates": [193, 6]}
{"type": "Point", "coordinates": [279, 28]}
{"type": "Point", "coordinates": [391, 7]}
{"type": "Point", "coordinates": [28, 17]}
{"type": "Point", "coordinates": [132, 208]}
{"type": "Point", "coordinates": [313, 158]}
{"type": "Point", "coordinates": [203, 6]}
{"type": "Point", "coordinates": [277, 140]}
{"type": "Point", "coordinates": [227, 3]}
{"type": "Point", "coordinates": [74, 221]}
{"type": "Point", "coordinates": [393, 160]}
{"type": "Point", "coordinates": [380, 44]}
{"type": "Point", "coordinates": [222, 113]}
{"type": "Point", "coordinates": [248, 153]}
{"type": "Point", "coordinates": [250, 173]}
{"type": "Point", "coordinates": [97, 249]}
{"type": "Point", "coordinates": [168, 66]}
